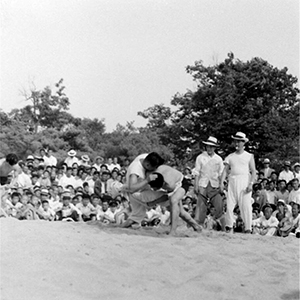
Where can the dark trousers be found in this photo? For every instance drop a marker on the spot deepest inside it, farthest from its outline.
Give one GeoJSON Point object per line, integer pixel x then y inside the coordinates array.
{"type": "Point", "coordinates": [212, 195]}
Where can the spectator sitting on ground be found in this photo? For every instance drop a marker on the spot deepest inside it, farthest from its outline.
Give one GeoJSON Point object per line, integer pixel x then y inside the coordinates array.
{"type": "Point", "coordinates": [95, 201]}
{"type": "Point", "coordinates": [282, 192]}
{"type": "Point", "coordinates": [210, 222]}
{"type": "Point", "coordinates": [267, 224]}
{"type": "Point", "coordinates": [258, 196]}
{"type": "Point", "coordinates": [164, 216]}
{"type": "Point", "coordinates": [68, 212]}
{"type": "Point", "coordinates": [271, 192]}
{"type": "Point", "coordinates": [88, 211]}
{"type": "Point", "coordinates": [109, 214]}
{"type": "Point", "coordinates": [122, 215]}
{"type": "Point", "coordinates": [48, 213]}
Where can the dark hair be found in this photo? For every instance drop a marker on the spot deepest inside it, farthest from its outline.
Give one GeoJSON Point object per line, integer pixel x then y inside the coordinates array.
{"type": "Point", "coordinates": [85, 184]}
{"type": "Point", "coordinates": [158, 182]}
{"type": "Point", "coordinates": [256, 187]}
{"type": "Point", "coordinates": [86, 196]}
{"type": "Point", "coordinates": [45, 201]}
{"type": "Point", "coordinates": [154, 159]}
{"type": "Point", "coordinates": [15, 194]}
{"type": "Point", "coordinates": [12, 159]}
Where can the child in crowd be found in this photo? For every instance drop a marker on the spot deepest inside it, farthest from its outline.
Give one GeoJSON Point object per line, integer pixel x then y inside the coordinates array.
{"type": "Point", "coordinates": [48, 213]}
{"type": "Point", "coordinates": [88, 211]}
{"type": "Point", "coordinates": [267, 224]}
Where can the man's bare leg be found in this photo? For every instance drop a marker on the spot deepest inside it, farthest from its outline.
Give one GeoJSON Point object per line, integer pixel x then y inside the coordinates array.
{"type": "Point", "coordinates": [185, 216]}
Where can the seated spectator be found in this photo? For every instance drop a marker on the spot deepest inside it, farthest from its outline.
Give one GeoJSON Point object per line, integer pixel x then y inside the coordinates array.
{"type": "Point", "coordinates": [165, 216]}
{"type": "Point", "coordinates": [210, 222]}
{"type": "Point", "coordinates": [122, 215]}
{"type": "Point", "coordinates": [258, 196]}
{"type": "Point", "coordinates": [88, 211]}
{"type": "Point", "coordinates": [271, 192]}
{"type": "Point", "coordinates": [67, 179]}
{"type": "Point", "coordinates": [152, 217]}
{"type": "Point", "coordinates": [110, 166]}
{"type": "Point", "coordinates": [68, 211]}
{"type": "Point", "coordinates": [293, 220]}
{"type": "Point", "coordinates": [267, 224]}
{"type": "Point", "coordinates": [48, 213]}
{"type": "Point", "coordinates": [274, 177]}
{"type": "Point", "coordinates": [294, 195]}
{"type": "Point", "coordinates": [282, 192]}
{"type": "Point", "coordinates": [23, 179]}
{"type": "Point", "coordinates": [95, 201]}
{"type": "Point", "coordinates": [109, 214]}
{"type": "Point", "coordinates": [238, 225]}
{"type": "Point", "coordinates": [44, 180]}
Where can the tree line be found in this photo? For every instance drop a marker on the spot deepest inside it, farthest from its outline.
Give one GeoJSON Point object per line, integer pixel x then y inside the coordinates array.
{"type": "Point", "coordinates": [253, 97]}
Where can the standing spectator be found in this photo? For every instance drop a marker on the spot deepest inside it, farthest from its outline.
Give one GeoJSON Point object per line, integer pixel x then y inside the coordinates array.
{"type": "Point", "coordinates": [72, 158]}
{"type": "Point", "coordinates": [23, 179]}
{"type": "Point", "coordinates": [85, 161]}
{"type": "Point", "coordinates": [98, 162]}
{"type": "Point", "coordinates": [51, 159]}
{"type": "Point", "coordinates": [116, 164]}
{"type": "Point", "coordinates": [286, 173]}
{"type": "Point", "coordinates": [208, 170]}
{"type": "Point", "coordinates": [297, 170]}
{"type": "Point", "coordinates": [294, 195]}
{"type": "Point", "coordinates": [266, 169]}
{"type": "Point", "coordinates": [110, 166]}
{"type": "Point", "coordinates": [241, 165]}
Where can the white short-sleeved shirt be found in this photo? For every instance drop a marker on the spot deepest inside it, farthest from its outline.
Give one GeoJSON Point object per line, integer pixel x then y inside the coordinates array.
{"type": "Point", "coordinates": [239, 163]}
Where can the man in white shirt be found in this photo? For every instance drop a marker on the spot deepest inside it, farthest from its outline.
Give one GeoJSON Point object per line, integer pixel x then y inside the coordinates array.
{"type": "Point", "coordinates": [98, 162]}
{"type": "Point", "coordinates": [294, 195]}
{"type": "Point", "coordinates": [208, 170]}
{"type": "Point", "coordinates": [266, 169]}
{"type": "Point", "coordinates": [50, 159]}
{"type": "Point", "coordinates": [297, 170]}
{"type": "Point", "coordinates": [286, 173]}
{"type": "Point", "coordinates": [242, 176]}
{"type": "Point", "coordinates": [23, 179]}
{"type": "Point", "coordinates": [72, 158]}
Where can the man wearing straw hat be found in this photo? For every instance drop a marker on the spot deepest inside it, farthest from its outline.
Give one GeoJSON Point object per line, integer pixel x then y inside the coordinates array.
{"type": "Point", "coordinates": [208, 170]}
{"type": "Point", "coordinates": [242, 176]}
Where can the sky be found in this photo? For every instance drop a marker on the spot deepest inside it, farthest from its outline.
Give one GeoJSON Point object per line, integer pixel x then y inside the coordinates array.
{"type": "Point", "coordinates": [118, 57]}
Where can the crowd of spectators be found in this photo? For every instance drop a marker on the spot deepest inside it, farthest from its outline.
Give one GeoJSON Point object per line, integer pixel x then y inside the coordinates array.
{"type": "Point", "coordinates": [77, 189]}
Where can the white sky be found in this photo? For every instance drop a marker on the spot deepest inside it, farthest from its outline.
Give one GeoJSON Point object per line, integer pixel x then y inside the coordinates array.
{"type": "Point", "coordinates": [118, 57]}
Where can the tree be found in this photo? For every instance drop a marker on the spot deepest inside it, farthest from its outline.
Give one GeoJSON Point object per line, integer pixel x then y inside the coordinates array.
{"type": "Point", "coordinates": [46, 105]}
{"type": "Point", "coordinates": [253, 97]}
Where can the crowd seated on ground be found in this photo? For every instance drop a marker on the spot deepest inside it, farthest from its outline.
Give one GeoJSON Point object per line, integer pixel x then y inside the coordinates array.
{"type": "Point", "coordinates": [79, 190]}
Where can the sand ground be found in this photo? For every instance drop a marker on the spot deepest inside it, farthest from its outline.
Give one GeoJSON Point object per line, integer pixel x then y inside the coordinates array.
{"type": "Point", "coordinates": [60, 260]}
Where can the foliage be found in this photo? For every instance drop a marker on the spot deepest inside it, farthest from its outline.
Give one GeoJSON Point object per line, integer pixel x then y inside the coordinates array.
{"type": "Point", "coordinates": [253, 97]}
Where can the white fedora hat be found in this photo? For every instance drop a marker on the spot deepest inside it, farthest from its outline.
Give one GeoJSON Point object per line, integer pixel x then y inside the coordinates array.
{"type": "Point", "coordinates": [240, 136]}
{"type": "Point", "coordinates": [72, 152]}
{"type": "Point", "coordinates": [211, 141]}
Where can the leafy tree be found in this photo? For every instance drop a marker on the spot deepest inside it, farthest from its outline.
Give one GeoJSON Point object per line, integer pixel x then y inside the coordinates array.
{"type": "Point", "coordinates": [253, 97]}
{"type": "Point", "coordinates": [46, 106]}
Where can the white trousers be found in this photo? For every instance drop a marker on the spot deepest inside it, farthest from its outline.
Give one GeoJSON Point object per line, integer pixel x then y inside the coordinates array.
{"type": "Point", "coordinates": [237, 196]}
{"type": "Point", "coordinates": [138, 202]}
